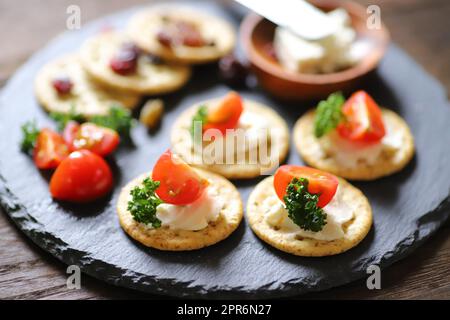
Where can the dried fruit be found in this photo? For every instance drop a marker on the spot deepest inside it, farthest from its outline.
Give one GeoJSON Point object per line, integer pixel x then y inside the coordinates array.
{"type": "Point", "coordinates": [63, 85]}
{"type": "Point", "coordinates": [151, 113]}
{"type": "Point", "coordinates": [233, 71]}
{"type": "Point", "coordinates": [125, 60]}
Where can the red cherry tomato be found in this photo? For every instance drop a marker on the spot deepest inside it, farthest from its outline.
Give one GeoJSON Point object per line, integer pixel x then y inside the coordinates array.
{"type": "Point", "coordinates": [322, 183]}
{"type": "Point", "coordinates": [179, 183]}
{"type": "Point", "coordinates": [50, 149]}
{"type": "Point", "coordinates": [364, 120]}
{"type": "Point", "coordinates": [82, 177]}
{"type": "Point", "coordinates": [99, 140]}
{"type": "Point", "coordinates": [226, 114]}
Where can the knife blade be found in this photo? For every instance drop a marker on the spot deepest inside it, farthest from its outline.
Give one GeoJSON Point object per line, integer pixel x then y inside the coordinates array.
{"type": "Point", "coordinates": [299, 16]}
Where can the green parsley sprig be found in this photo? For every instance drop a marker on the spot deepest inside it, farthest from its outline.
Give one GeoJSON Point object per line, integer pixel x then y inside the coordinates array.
{"type": "Point", "coordinates": [199, 117]}
{"type": "Point", "coordinates": [30, 133]}
{"type": "Point", "coordinates": [62, 119]}
{"type": "Point", "coordinates": [328, 114]}
{"type": "Point", "coordinates": [144, 201]}
{"type": "Point", "coordinates": [302, 206]}
{"type": "Point", "coordinates": [118, 118]}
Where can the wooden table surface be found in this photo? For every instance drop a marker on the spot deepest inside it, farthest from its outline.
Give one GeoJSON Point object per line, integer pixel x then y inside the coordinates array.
{"type": "Point", "coordinates": [421, 27]}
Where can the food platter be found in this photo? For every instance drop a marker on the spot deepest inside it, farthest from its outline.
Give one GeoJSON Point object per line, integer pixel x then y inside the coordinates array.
{"type": "Point", "coordinates": [408, 207]}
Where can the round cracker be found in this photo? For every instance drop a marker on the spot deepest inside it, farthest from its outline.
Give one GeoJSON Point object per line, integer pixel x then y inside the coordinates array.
{"type": "Point", "coordinates": [145, 25]}
{"type": "Point", "coordinates": [150, 78]}
{"type": "Point", "coordinates": [181, 140]}
{"type": "Point", "coordinates": [313, 154]}
{"type": "Point", "coordinates": [86, 98]}
{"type": "Point", "coordinates": [355, 230]}
{"type": "Point", "coordinates": [168, 239]}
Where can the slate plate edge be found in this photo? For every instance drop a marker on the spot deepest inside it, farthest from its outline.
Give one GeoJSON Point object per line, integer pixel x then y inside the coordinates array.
{"type": "Point", "coordinates": [426, 226]}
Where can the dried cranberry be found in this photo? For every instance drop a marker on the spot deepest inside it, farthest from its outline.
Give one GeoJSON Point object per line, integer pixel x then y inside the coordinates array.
{"type": "Point", "coordinates": [189, 34]}
{"type": "Point", "coordinates": [193, 40]}
{"type": "Point", "coordinates": [125, 60]}
{"type": "Point", "coordinates": [233, 71]}
{"type": "Point", "coordinates": [63, 85]}
{"type": "Point", "coordinates": [164, 38]}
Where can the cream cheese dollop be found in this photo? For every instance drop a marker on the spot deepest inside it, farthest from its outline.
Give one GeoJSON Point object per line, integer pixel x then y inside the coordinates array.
{"type": "Point", "coordinates": [252, 132]}
{"type": "Point", "coordinates": [338, 213]}
{"type": "Point", "coordinates": [256, 129]}
{"type": "Point", "coordinates": [349, 154]}
{"type": "Point", "coordinates": [193, 216]}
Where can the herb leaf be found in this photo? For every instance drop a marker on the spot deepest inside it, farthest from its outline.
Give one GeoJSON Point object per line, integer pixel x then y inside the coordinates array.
{"type": "Point", "coordinates": [328, 114]}
{"type": "Point", "coordinates": [200, 116]}
{"type": "Point", "coordinates": [30, 133]}
{"type": "Point", "coordinates": [143, 204]}
{"type": "Point", "coordinates": [302, 206]}
{"type": "Point", "coordinates": [61, 119]}
{"type": "Point", "coordinates": [118, 119]}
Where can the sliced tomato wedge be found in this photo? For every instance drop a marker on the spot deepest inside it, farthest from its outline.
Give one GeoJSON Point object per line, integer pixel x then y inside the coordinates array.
{"type": "Point", "coordinates": [363, 119]}
{"type": "Point", "coordinates": [225, 115]}
{"type": "Point", "coordinates": [100, 140]}
{"type": "Point", "coordinates": [179, 183]}
{"type": "Point", "coordinates": [50, 149]}
{"type": "Point", "coordinates": [82, 177]}
{"type": "Point", "coordinates": [322, 183]}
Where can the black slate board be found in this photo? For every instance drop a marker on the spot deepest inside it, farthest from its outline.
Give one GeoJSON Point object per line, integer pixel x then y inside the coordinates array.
{"type": "Point", "coordinates": [408, 207]}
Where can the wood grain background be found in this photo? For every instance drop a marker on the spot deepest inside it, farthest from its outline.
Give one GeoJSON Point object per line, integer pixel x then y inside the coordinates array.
{"type": "Point", "coordinates": [421, 27]}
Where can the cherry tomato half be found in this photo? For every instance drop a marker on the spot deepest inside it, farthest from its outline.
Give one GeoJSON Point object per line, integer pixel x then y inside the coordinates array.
{"type": "Point", "coordinates": [97, 139]}
{"type": "Point", "coordinates": [364, 120]}
{"type": "Point", "coordinates": [225, 115]}
{"type": "Point", "coordinates": [82, 177]}
{"type": "Point", "coordinates": [322, 183]}
{"type": "Point", "coordinates": [50, 149]}
{"type": "Point", "coordinates": [179, 183]}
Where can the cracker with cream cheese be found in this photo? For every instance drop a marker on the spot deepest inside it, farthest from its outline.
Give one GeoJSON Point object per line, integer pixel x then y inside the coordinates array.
{"type": "Point", "coordinates": [166, 238]}
{"type": "Point", "coordinates": [145, 25]}
{"type": "Point", "coordinates": [267, 160]}
{"type": "Point", "coordinates": [388, 162]}
{"type": "Point", "coordinates": [150, 78]}
{"type": "Point", "coordinates": [355, 230]}
{"type": "Point", "coordinates": [86, 97]}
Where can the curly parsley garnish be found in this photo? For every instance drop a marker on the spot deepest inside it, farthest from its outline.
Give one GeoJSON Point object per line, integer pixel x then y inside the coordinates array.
{"type": "Point", "coordinates": [144, 201]}
{"type": "Point", "coordinates": [199, 117]}
{"type": "Point", "coordinates": [30, 133]}
{"type": "Point", "coordinates": [62, 119]}
{"type": "Point", "coordinates": [302, 206]}
{"type": "Point", "coordinates": [328, 114]}
{"type": "Point", "coordinates": [119, 119]}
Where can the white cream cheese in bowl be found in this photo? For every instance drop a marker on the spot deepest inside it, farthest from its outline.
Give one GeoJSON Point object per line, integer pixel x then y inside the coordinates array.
{"type": "Point", "coordinates": [327, 55]}
{"type": "Point", "coordinates": [338, 213]}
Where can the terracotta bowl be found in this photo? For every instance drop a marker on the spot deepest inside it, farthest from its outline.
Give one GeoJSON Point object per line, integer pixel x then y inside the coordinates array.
{"type": "Point", "coordinates": [257, 35]}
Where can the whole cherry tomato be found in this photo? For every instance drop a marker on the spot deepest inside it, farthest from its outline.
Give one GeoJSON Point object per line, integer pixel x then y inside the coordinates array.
{"type": "Point", "coordinates": [81, 177]}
